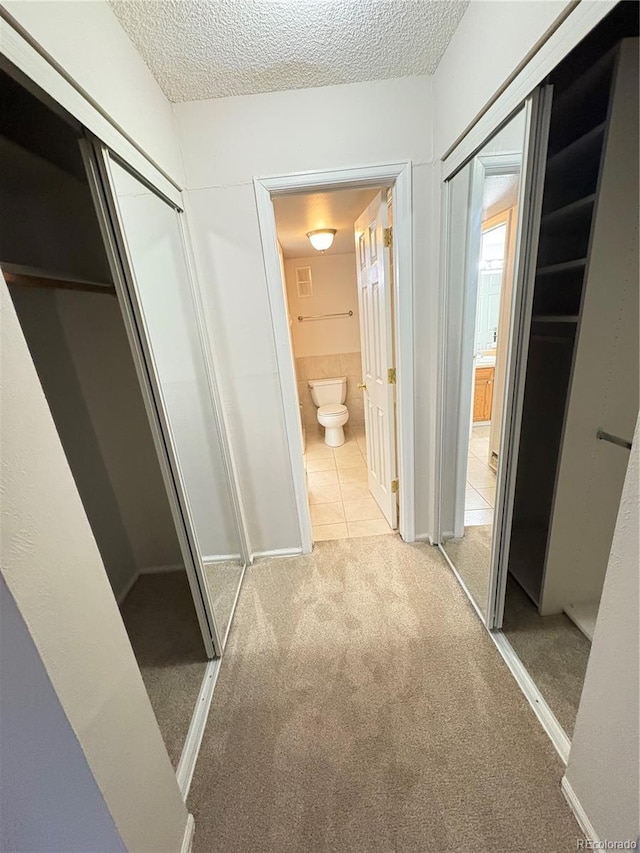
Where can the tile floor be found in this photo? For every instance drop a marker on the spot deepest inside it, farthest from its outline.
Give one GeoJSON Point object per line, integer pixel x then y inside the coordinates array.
{"type": "Point", "coordinates": [339, 498]}
{"type": "Point", "coordinates": [481, 480]}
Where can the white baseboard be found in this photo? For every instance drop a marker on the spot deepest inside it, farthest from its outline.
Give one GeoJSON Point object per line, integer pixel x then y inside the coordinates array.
{"type": "Point", "coordinates": [277, 552]}
{"type": "Point", "coordinates": [580, 814]}
{"type": "Point", "coordinates": [424, 537]}
{"type": "Point", "coordinates": [189, 830]}
{"type": "Point", "coordinates": [191, 748]}
{"type": "Point", "coordinates": [221, 558]}
{"type": "Point", "coordinates": [527, 685]}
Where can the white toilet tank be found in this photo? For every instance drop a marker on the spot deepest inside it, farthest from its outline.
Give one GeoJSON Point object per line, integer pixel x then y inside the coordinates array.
{"type": "Point", "coordinates": [328, 391]}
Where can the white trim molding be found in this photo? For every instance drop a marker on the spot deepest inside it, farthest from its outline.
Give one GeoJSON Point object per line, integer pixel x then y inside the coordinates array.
{"type": "Point", "coordinates": [398, 176]}
{"type": "Point", "coordinates": [189, 832]}
{"type": "Point", "coordinates": [277, 552]}
{"type": "Point", "coordinates": [193, 741]}
{"type": "Point", "coordinates": [527, 685]}
{"type": "Point", "coordinates": [579, 813]}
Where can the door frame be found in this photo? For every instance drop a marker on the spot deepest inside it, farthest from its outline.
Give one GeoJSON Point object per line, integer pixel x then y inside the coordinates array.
{"type": "Point", "coordinates": [504, 163]}
{"type": "Point", "coordinates": [398, 176]}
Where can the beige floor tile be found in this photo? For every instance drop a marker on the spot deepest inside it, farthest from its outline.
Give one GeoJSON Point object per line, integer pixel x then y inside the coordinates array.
{"type": "Point", "coordinates": [322, 478]}
{"type": "Point", "coordinates": [474, 500]}
{"type": "Point", "coordinates": [347, 449]}
{"type": "Point", "coordinates": [481, 479]}
{"type": "Point", "coordinates": [318, 451]}
{"type": "Point", "coordinates": [324, 494]}
{"type": "Point", "coordinates": [330, 531]}
{"type": "Point", "coordinates": [352, 475]}
{"type": "Point", "coordinates": [481, 431]}
{"type": "Point", "coordinates": [478, 516]}
{"type": "Point", "coordinates": [363, 510]}
{"type": "Point", "coordinates": [320, 463]}
{"type": "Point", "coordinates": [373, 527]}
{"type": "Point", "coordinates": [489, 496]}
{"type": "Point", "coordinates": [354, 460]}
{"type": "Point", "coordinates": [330, 513]}
{"type": "Point", "coordinates": [354, 491]}
{"type": "Point", "coordinates": [477, 465]}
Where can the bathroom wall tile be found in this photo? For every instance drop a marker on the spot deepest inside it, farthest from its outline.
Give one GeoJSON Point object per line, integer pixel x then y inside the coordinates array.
{"type": "Point", "coordinates": [350, 364]}
{"type": "Point", "coordinates": [356, 409]}
{"type": "Point", "coordinates": [324, 366]}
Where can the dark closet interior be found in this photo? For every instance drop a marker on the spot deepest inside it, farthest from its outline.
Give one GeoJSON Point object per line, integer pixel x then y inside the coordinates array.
{"type": "Point", "coordinates": [54, 262]}
{"type": "Point", "coordinates": [582, 363]}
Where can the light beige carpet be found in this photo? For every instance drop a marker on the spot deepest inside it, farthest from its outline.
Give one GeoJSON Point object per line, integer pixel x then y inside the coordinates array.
{"type": "Point", "coordinates": [471, 556]}
{"type": "Point", "coordinates": [223, 579]}
{"type": "Point", "coordinates": [362, 708]}
{"type": "Point", "coordinates": [554, 652]}
{"type": "Point", "coordinates": [163, 629]}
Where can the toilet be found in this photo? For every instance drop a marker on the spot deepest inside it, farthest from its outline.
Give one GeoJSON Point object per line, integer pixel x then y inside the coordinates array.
{"type": "Point", "coordinates": [329, 396]}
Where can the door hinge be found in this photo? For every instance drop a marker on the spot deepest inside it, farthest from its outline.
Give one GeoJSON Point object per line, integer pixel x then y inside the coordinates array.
{"type": "Point", "coordinates": [395, 487]}
{"type": "Point", "coordinates": [388, 237]}
{"type": "Point", "coordinates": [391, 376]}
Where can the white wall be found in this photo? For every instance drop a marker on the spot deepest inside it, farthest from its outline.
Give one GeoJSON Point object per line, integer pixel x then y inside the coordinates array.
{"type": "Point", "coordinates": [490, 42]}
{"type": "Point", "coordinates": [87, 40]}
{"type": "Point", "coordinates": [603, 765]}
{"type": "Point", "coordinates": [49, 801]}
{"type": "Point", "coordinates": [53, 570]}
{"type": "Point", "coordinates": [335, 290]}
{"type": "Point", "coordinates": [226, 143]}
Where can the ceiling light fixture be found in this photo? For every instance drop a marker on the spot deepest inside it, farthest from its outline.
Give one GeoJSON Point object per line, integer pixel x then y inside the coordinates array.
{"type": "Point", "coordinates": [322, 238]}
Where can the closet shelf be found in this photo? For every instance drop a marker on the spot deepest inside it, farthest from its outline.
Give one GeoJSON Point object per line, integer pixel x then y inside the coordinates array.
{"type": "Point", "coordinates": [578, 146]}
{"type": "Point", "coordinates": [575, 207]}
{"type": "Point", "coordinates": [563, 267]}
{"type": "Point", "coordinates": [554, 318]}
{"type": "Point", "coordinates": [584, 83]}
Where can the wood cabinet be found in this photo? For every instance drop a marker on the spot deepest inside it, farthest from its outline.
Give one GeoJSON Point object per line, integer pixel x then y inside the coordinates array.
{"type": "Point", "coordinates": [483, 393]}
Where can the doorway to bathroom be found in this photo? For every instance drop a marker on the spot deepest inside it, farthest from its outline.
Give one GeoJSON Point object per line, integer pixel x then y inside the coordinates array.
{"type": "Point", "coordinates": [338, 309]}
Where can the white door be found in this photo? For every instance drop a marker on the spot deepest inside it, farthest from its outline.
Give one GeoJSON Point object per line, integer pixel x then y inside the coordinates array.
{"type": "Point", "coordinates": [376, 336]}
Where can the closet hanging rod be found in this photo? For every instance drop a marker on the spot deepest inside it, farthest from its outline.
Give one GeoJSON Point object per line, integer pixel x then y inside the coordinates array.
{"type": "Point", "coordinates": [614, 439]}
{"type": "Point", "coordinates": [302, 319]}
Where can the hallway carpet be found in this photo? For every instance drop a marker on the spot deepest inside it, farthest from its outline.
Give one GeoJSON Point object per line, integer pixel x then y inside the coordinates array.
{"type": "Point", "coordinates": [362, 708]}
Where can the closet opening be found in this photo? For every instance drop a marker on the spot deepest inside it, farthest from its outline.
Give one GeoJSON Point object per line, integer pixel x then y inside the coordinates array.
{"type": "Point", "coordinates": [535, 570]}
{"type": "Point", "coordinates": [53, 260]}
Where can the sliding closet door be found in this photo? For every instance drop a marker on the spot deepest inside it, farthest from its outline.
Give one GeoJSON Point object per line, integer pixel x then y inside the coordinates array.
{"type": "Point", "coordinates": [150, 243]}
{"type": "Point", "coordinates": [492, 212]}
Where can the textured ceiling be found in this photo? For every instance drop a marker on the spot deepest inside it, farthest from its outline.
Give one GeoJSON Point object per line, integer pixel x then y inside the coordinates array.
{"type": "Point", "coordinates": [213, 49]}
{"type": "Point", "coordinates": [500, 192]}
{"type": "Point", "coordinates": [297, 214]}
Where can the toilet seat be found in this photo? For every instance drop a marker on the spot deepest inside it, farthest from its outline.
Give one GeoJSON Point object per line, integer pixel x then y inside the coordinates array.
{"type": "Point", "coordinates": [332, 409]}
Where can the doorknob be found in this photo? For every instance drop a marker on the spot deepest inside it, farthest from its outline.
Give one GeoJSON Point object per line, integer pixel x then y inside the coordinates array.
{"type": "Point", "coordinates": [362, 386]}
